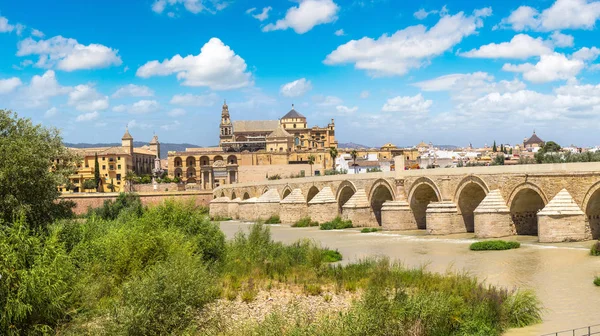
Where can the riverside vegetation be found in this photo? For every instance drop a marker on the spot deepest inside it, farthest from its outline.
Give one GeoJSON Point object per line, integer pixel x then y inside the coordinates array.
{"type": "Point", "coordinates": [494, 245]}
{"type": "Point", "coordinates": [126, 269]}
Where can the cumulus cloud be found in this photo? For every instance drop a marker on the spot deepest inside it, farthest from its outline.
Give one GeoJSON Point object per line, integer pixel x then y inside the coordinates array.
{"type": "Point", "coordinates": [9, 85]}
{"type": "Point", "coordinates": [67, 54]}
{"type": "Point", "coordinates": [296, 88]}
{"type": "Point", "coordinates": [85, 98]}
{"type": "Point", "coordinates": [262, 16]}
{"type": "Point", "coordinates": [177, 112]}
{"type": "Point", "coordinates": [342, 110]}
{"type": "Point", "coordinates": [172, 126]}
{"type": "Point", "coordinates": [409, 48]}
{"type": "Point", "coordinates": [408, 104]}
{"type": "Point", "coordinates": [132, 90]}
{"type": "Point", "coordinates": [140, 125]}
{"type": "Point", "coordinates": [321, 100]}
{"type": "Point", "coordinates": [339, 32]}
{"type": "Point", "coordinates": [365, 94]}
{"type": "Point", "coordinates": [51, 112]}
{"type": "Point", "coordinates": [87, 116]}
{"type": "Point", "coordinates": [563, 14]}
{"type": "Point", "coordinates": [521, 46]}
{"type": "Point", "coordinates": [192, 6]}
{"type": "Point", "coordinates": [216, 67]}
{"type": "Point", "coordinates": [37, 33]}
{"type": "Point", "coordinates": [40, 90]}
{"type": "Point", "coordinates": [195, 100]}
{"type": "Point", "coordinates": [5, 27]}
{"type": "Point", "coordinates": [586, 54]}
{"type": "Point", "coordinates": [422, 14]}
{"type": "Point", "coordinates": [469, 86]}
{"type": "Point", "coordinates": [562, 40]}
{"type": "Point", "coordinates": [140, 107]}
{"type": "Point", "coordinates": [550, 68]}
{"type": "Point", "coordinates": [307, 15]}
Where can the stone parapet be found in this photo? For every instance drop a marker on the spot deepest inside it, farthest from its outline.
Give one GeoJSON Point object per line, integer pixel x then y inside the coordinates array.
{"type": "Point", "coordinates": [247, 210]}
{"type": "Point", "coordinates": [562, 220]}
{"type": "Point", "coordinates": [219, 207]}
{"type": "Point", "coordinates": [492, 217]}
{"type": "Point", "coordinates": [443, 218]}
{"type": "Point", "coordinates": [397, 215]}
{"type": "Point", "coordinates": [233, 208]}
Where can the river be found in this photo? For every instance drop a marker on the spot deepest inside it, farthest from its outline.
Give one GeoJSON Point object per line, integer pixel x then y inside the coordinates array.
{"type": "Point", "coordinates": [560, 274]}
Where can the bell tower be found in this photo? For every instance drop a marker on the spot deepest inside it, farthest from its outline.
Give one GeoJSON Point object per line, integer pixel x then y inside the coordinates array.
{"type": "Point", "coordinates": [226, 128]}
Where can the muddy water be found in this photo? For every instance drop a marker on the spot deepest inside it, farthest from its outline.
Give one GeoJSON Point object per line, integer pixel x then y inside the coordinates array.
{"type": "Point", "coordinates": [560, 274]}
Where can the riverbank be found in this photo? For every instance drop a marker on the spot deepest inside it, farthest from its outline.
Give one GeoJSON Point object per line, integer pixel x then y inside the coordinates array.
{"type": "Point", "coordinates": [560, 274]}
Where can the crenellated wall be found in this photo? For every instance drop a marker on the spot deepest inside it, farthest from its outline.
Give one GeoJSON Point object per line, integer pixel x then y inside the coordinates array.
{"type": "Point", "coordinates": [522, 190]}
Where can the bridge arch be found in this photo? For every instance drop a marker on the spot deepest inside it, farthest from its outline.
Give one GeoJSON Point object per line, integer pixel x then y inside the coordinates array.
{"type": "Point", "coordinates": [524, 202]}
{"type": "Point", "coordinates": [233, 195]}
{"type": "Point", "coordinates": [381, 191]}
{"type": "Point", "coordinates": [287, 190]}
{"type": "Point", "coordinates": [422, 192]}
{"type": "Point", "coordinates": [345, 191]}
{"type": "Point", "coordinates": [264, 191]}
{"type": "Point", "coordinates": [469, 194]}
{"type": "Point", "coordinates": [591, 207]}
{"type": "Point", "coordinates": [246, 196]}
{"type": "Point", "coordinates": [312, 192]}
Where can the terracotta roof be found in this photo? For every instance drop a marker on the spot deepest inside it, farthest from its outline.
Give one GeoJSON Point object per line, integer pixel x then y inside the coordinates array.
{"type": "Point", "coordinates": [117, 150]}
{"type": "Point", "coordinates": [154, 140]}
{"type": "Point", "coordinates": [293, 114]}
{"type": "Point", "coordinates": [534, 139]}
{"type": "Point", "coordinates": [279, 132]}
{"type": "Point", "coordinates": [127, 136]}
{"type": "Point", "coordinates": [255, 125]}
{"type": "Point", "coordinates": [141, 150]}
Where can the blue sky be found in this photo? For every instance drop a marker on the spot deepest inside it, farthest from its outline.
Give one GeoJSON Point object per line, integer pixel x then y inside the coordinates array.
{"type": "Point", "coordinates": [388, 71]}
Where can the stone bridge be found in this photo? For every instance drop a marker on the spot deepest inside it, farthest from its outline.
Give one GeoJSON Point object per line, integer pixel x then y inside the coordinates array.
{"type": "Point", "coordinates": [556, 202]}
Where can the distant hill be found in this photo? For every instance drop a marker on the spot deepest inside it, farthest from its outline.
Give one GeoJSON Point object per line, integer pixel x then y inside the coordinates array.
{"type": "Point", "coordinates": [164, 147]}
{"type": "Point", "coordinates": [352, 145]}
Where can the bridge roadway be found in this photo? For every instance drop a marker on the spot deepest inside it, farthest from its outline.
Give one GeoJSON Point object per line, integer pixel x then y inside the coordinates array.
{"type": "Point", "coordinates": [556, 202]}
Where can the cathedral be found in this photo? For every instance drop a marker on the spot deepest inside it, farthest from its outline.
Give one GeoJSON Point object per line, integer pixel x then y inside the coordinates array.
{"type": "Point", "coordinates": [288, 134]}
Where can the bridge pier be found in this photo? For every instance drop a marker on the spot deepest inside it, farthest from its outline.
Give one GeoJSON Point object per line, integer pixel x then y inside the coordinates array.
{"type": "Point", "coordinates": [218, 207]}
{"type": "Point", "coordinates": [323, 207]}
{"type": "Point", "coordinates": [562, 220]}
{"type": "Point", "coordinates": [267, 205]}
{"type": "Point", "coordinates": [233, 208]}
{"type": "Point", "coordinates": [358, 210]}
{"type": "Point", "coordinates": [443, 218]}
{"type": "Point", "coordinates": [247, 210]}
{"type": "Point", "coordinates": [397, 215]}
{"type": "Point", "coordinates": [293, 207]}
{"type": "Point", "coordinates": [492, 217]}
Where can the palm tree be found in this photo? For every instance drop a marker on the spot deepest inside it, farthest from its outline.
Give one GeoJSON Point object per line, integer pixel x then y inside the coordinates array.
{"type": "Point", "coordinates": [311, 162]}
{"type": "Point", "coordinates": [354, 155]}
{"type": "Point", "coordinates": [129, 178]}
{"type": "Point", "coordinates": [333, 152]}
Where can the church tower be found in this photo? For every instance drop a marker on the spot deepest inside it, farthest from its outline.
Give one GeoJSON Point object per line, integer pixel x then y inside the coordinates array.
{"type": "Point", "coordinates": [226, 128]}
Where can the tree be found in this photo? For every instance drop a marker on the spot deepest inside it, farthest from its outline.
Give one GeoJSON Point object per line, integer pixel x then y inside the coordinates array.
{"type": "Point", "coordinates": [502, 148]}
{"type": "Point", "coordinates": [89, 184]}
{"type": "Point", "coordinates": [33, 164]}
{"type": "Point", "coordinates": [129, 178]}
{"type": "Point", "coordinates": [551, 147]}
{"type": "Point", "coordinates": [494, 148]}
{"type": "Point", "coordinates": [112, 186]}
{"type": "Point", "coordinates": [333, 152]}
{"type": "Point", "coordinates": [96, 172]}
{"type": "Point", "coordinates": [510, 151]}
{"type": "Point", "coordinates": [311, 162]}
{"type": "Point", "coordinates": [354, 155]}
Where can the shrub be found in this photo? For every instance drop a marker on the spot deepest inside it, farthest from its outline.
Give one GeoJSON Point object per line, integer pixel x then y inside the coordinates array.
{"type": "Point", "coordinates": [221, 219]}
{"type": "Point", "coordinates": [369, 230]}
{"type": "Point", "coordinates": [595, 250]}
{"type": "Point", "coordinates": [494, 245]}
{"type": "Point", "coordinates": [305, 222]}
{"type": "Point", "coordinates": [312, 289]}
{"type": "Point", "coordinates": [522, 308]}
{"type": "Point", "coordinates": [111, 209]}
{"type": "Point", "coordinates": [274, 219]}
{"type": "Point", "coordinates": [597, 281]}
{"type": "Point", "coordinates": [331, 256]}
{"type": "Point", "coordinates": [337, 224]}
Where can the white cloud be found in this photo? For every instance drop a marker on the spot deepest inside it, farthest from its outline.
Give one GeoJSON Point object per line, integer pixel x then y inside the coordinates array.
{"type": "Point", "coordinates": [172, 126]}
{"type": "Point", "coordinates": [262, 16]}
{"type": "Point", "coordinates": [86, 98]}
{"type": "Point", "coordinates": [87, 116]}
{"type": "Point", "coordinates": [217, 67]}
{"type": "Point", "coordinates": [9, 85]}
{"type": "Point", "coordinates": [562, 40]}
{"type": "Point", "coordinates": [586, 54]}
{"type": "Point", "coordinates": [550, 68]}
{"type": "Point", "coordinates": [414, 104]}
{"type": "Point", "coordinates": [37, 33]}
{"type": "Point", "coordinates": [19, 28]}
{"type": "Point", "coordinates": [68, 55]}
{"type": "Point", "coordinates": [339, 32]}
{"type": "Point", "coordinates": [412, 47]}
{"type": "Point", "coordinates": [296, 88]}
{"type": "Point", "coordinates": [345, 110]}
{"type": "Point", "coordinates": [40, 90]}
{"type": "Point", "coordinates": [135, 124]}
{"type": "Point", "coordinates": [132, 90]}
{"type": "Point", "coordinates": [51, 112]}
{"type": "Point", "coordinates": [307, 15]}
{"type": "Point", "coordinates": [177, 112]}
{"type": "Point", "coordinates": [422, 14]}
{"type": "Point", "coordinates": [140, 107]}
{"type": "Point", "coordinates": [365, 94]}
{"type": "Point", "coordinates": [563, 14]}
{"type": "Point", "coordinates": [195, 100]}
{"type": "Point", "coordinates": [327, 100]}
{"type": "Point", "coordinates": [192, 6]}
{"type": "Point", "coordinates": [250, 10]}
{"type": "Point", "coordinates": [521, 46]}
{"type": "Point", "coordinates": [5, 27]}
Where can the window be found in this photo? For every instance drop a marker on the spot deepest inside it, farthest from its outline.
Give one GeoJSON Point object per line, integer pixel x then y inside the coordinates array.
{"type": "Point", "coordinates": [118, 158]}
{"type": "Point", "coordinates": [294, 125]}
{"type": "Point", "coordinates": [112, 167]}
{"type": "Point", "coordinates": [118, 177]}
{"type": "Point", "coordinates": [87, 165]}
{"type": "Point", "coordinates": [103, 158]}
{"type": "Point", "coordinates": [103, 167]}
{"type": "Point", "coordinates": [118, 166]}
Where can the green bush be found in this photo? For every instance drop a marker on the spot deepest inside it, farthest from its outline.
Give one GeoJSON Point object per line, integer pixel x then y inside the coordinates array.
{"type": "Point", "coordinates": [273, 220]}
{"type": "Point", "coordinates": [331, 256]}
{"type": "Point", "coordinates": [597, 281]}
{"type": "Point", "coordinates": [595, 250]}
{"type": "Point", "coordinates": [369, 230]}
{"type": "Point", "coordinates": [337, 224]}
{"type": "Point", "coordinates": [305, 222]}
{"type": "Point", "coordinates": [111, 209]}
{"type": "Point", "coordinates": [494, 245]}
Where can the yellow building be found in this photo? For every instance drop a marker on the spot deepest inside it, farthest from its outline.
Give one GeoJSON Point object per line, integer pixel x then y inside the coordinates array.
{"type": "Point", "coordinates": [114, 163]}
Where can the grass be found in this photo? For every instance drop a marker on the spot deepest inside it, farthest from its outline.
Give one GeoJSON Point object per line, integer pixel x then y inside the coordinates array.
{"type": "Point", "coordinates": [369, 230]}
{"type": "Point", "coordinates": [331, 255]}
{"type": "Point", "coordinates": [595, 250]}
{"type": "Point", "coordinates": [305, 222]}
{"type": "Point", "coordinates": [221, 219]}
{"type": "Point", "coordinates": [494, 245]}
{"type": "Point", "coordinates": [337, 224]}
{"type": "Point", "coordinates": [273, 220]}
{"type": "Point", "coordinates": [597, 281]}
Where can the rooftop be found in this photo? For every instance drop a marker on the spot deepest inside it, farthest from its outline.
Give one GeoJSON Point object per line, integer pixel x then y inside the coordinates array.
{"type": "Point", "coordinates": [255, 125]}
{"type": "Point", "coordinates": [293, 114]}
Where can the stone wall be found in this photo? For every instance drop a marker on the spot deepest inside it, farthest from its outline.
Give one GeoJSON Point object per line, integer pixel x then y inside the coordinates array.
{"type": "Point", "coordinates": [160, 187]}
{"type": "Point", "coordinates": [290, 213]}
{"type": "Point", "coordinates": [323, 212]}
{"type": "Point", "coordinates": [219, 210]}
{"type": "Point", "coordinates": [95, 200]}
{"type": "Point", "coordinates": [493, 225]}
{"type": "Point", "coordinates": [556, 229]}
{"type": "Point", "coordinates": [360, 217]}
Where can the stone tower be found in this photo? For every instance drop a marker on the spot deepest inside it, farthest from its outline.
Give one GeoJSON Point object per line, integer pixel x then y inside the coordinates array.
{"type": "Point", "coordinates": [127, 141]}
{"type": "Point", "coordinates": [155, 145]}
{"type": "Point", "coordinates": [226, 128]}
